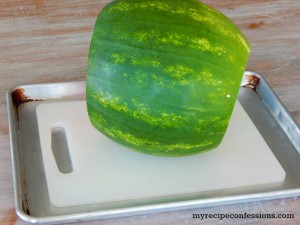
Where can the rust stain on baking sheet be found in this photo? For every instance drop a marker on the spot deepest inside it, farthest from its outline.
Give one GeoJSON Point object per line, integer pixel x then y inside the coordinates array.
{"type": "Point", "coordinates": [19, 97]}
{"type": "Point", "coordinates": [252, 81]}
{"type": "Point", "coordinates": [25, 206]}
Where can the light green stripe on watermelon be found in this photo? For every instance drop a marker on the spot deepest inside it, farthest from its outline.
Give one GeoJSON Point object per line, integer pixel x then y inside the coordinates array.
{"type": "Point", "coordinates": [163, 76]}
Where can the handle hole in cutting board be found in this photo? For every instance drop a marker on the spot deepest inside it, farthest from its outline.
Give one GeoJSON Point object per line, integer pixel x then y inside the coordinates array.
{"type": "Point", "coordinates": [60, 149]}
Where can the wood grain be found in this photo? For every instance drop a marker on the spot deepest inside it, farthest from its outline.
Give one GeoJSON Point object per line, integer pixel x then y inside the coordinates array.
{"type": "Point", "coordinates": [43, 41]}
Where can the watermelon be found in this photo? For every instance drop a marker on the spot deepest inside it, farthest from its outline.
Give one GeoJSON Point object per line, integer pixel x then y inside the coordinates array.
{"type": "Point", "coordinates": [163, 75]}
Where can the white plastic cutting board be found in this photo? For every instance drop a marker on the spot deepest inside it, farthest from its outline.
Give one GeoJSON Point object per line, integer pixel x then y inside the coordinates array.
{"type": "Point", "coordinates": [104, 171]}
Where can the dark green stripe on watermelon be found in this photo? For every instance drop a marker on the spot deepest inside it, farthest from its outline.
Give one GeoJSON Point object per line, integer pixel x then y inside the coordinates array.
{"type": "Point", "coordinates": [163, 76]}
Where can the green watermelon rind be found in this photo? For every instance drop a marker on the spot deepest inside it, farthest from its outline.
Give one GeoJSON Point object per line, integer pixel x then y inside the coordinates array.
{"type": "Point", "coordinates": [163, 76]}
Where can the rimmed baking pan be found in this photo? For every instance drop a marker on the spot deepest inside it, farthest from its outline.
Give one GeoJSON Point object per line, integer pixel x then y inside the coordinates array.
{"type": "Point", "coordinates": [274, 145]}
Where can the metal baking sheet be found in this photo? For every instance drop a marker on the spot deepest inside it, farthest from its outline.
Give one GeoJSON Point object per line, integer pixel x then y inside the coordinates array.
{"type": "Point", "coordinates": [32, 202]}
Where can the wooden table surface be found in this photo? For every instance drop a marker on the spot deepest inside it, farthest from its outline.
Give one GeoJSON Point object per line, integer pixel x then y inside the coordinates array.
{"type": "Point", "coordinates": [44, 41]}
